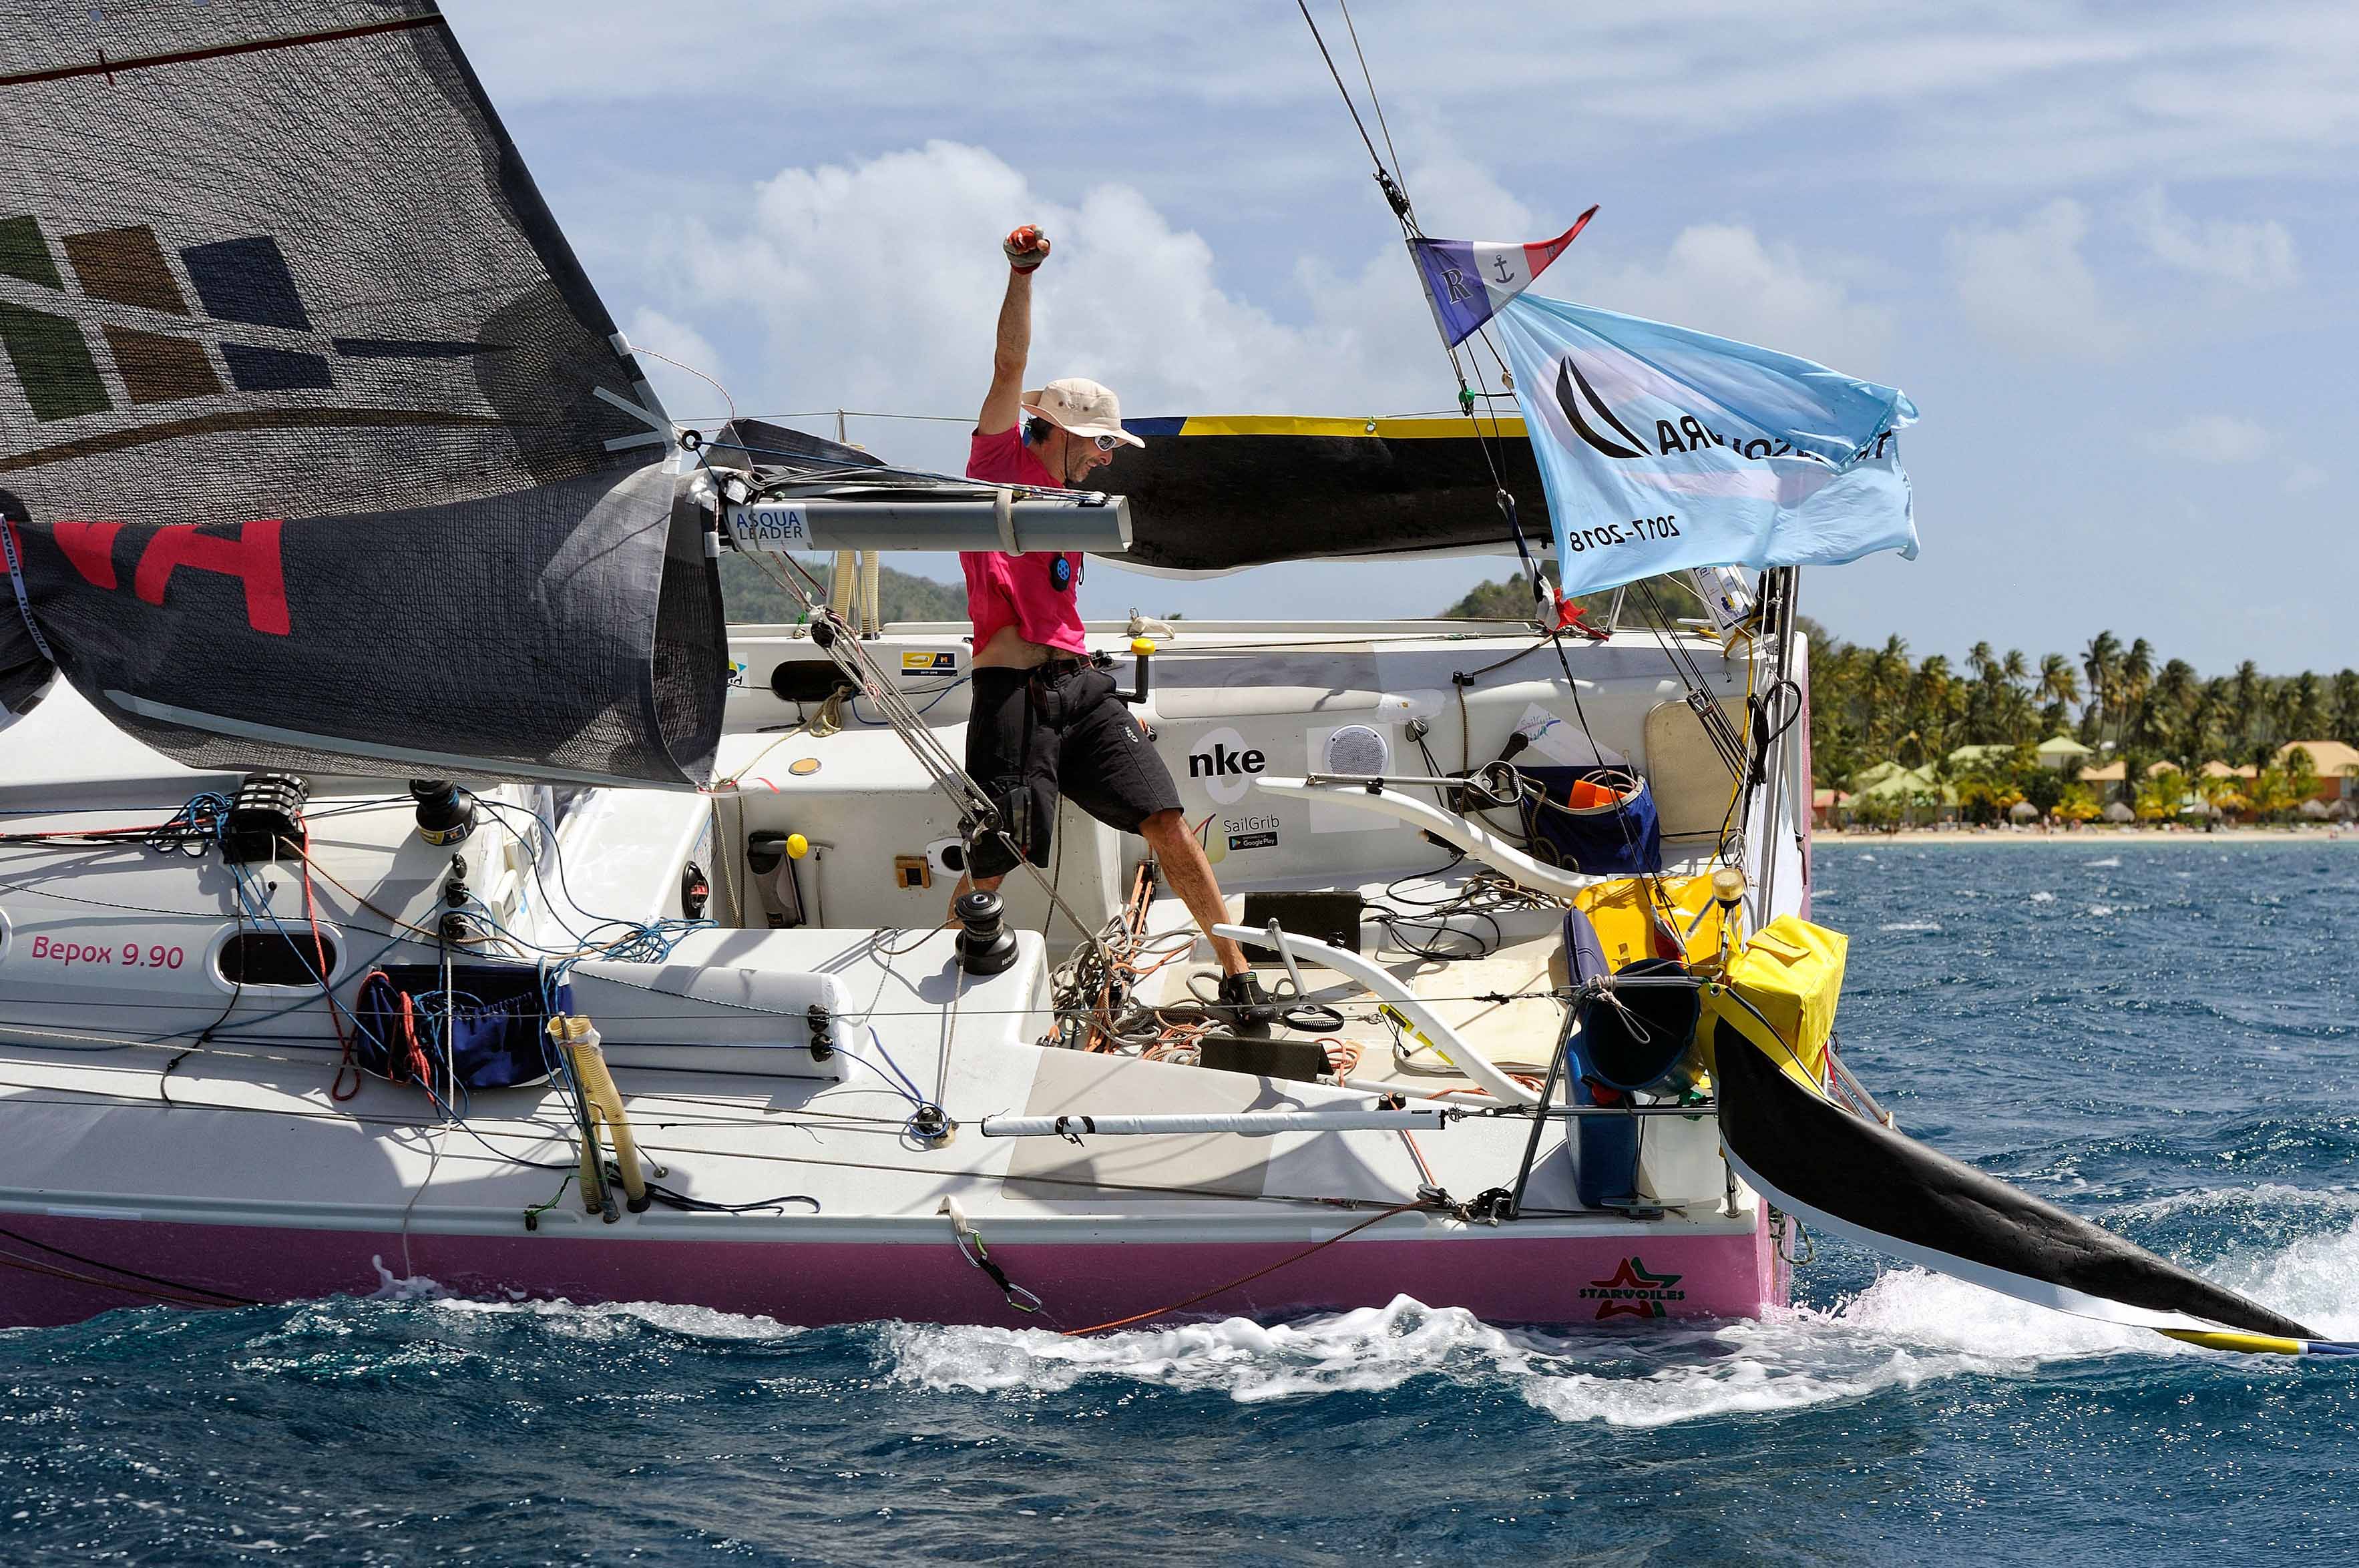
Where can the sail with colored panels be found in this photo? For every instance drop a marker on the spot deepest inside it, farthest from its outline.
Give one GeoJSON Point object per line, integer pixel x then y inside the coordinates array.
{"type": "Point", "coordinates": [319, 449]}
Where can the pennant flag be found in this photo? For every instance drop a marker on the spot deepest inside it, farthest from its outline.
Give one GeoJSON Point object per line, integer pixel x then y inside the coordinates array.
{"type": "Point", "coordinates": [1662, 448]}
{"type": "Point", "coordinates": [1469, 280]}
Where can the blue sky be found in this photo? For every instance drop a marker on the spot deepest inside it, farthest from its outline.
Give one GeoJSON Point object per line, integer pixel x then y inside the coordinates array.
{"type": "Point", "coordinates": [2104, 247]}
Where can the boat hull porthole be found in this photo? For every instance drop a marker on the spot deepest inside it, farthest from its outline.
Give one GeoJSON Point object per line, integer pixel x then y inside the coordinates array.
{"type": "Point", "coordinates": [244, 958]}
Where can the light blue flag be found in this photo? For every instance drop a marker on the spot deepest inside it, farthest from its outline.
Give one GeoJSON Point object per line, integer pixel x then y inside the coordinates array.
{"type": "Point", "coordinates": [1662, 448]}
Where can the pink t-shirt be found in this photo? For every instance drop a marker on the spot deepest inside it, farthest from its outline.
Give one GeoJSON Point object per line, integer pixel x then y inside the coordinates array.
{"type": "Point", "coordinates": [1033, 593]}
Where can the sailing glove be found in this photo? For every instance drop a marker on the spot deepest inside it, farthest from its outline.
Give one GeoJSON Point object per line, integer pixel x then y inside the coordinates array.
{"type": "Point", "coordinates": [1027, 247]}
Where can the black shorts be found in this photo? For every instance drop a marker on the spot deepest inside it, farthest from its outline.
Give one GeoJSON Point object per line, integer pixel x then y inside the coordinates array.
{"type": "Point", "coordinates": [1058, 728]}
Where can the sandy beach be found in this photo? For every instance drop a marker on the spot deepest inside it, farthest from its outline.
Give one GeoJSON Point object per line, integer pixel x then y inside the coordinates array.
{"type": "Point", "coordinates": [2086, 837]}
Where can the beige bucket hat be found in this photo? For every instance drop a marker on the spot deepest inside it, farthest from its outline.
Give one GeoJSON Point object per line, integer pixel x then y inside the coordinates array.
{"type": "Point", "coordinates": [1081, 407]}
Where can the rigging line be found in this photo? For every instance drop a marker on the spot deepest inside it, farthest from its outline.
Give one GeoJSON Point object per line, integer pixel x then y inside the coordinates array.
{"type": "Point", "coordinates": [700, 1152]}
{"type": "Point", "coordinates": [1249, 1279]}
{"type": "Point", "coordinates": [226, 1297]}
{"type": "Point", "coordinates": [529, 1132]}
{"type": "Point", "coordinates": [1400, 176]}
{"type": "Point", "coordinates": [37, 891]}
{"type": "Point", "coordinates": [948, 774]}
{"type": "Point", "coordinates": [27, 1265]}
{"type": "Point", "coordinates": [1507, 377]}
{"type": "Point", "coordinates": [1410, 229]}
{"type": "Point", "coordinates": [168, 1041]}
{"type": "Point", "coordinates": [867, 414]}
{"type": "Point", "coordinates": [1702, 699]}
{"type": "Point", "coordinates": [678, 364]}
{"type": "Point", "coordinates": [1372, 156]}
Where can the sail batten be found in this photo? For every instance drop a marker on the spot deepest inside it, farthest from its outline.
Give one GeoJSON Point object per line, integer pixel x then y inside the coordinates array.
{"type": "Point", "coordinates": [109, 67]}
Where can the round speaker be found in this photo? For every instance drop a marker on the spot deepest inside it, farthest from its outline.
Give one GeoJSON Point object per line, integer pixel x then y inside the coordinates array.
{"type": "Point", "coordinates": [1358, 751]}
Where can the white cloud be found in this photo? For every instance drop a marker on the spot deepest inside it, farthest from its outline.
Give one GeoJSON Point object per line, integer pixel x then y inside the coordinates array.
{"type": "Point", "coordinates": [660, 341]}
{"type": "Point", "coordinates": [875, 284]}
{"type": "Point", "coordinates": [2303, 478]}
{"type": "Point", "coordinates": [2029, 290]}
{"type": "Point", "coordinates": [1983, 93]}
{"type": "Point", "coordinates": [2214, 439]}
{"type": "Point", "coordinates": [2255, 254]}
{"type": "Point", "coordinates": [1723, 278]}
{"type": "Point", "coordinates": [1460, 200]}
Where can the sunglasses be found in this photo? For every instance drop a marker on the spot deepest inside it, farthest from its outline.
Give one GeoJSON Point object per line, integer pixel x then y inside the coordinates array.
{"type": "Point", "coordinates": [1106, 443]}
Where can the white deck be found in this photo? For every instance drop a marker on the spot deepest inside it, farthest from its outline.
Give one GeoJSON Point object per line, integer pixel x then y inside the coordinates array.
{"type": "Point", "coordinates": [112, 1112]}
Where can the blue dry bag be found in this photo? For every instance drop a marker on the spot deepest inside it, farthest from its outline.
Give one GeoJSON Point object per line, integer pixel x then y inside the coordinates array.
{"type": "Point", "coordinates": [1619, 838]}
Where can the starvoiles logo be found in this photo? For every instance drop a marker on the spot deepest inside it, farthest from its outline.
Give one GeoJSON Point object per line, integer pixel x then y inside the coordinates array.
{"type": "Point", "coordinates": [1632, 1292]}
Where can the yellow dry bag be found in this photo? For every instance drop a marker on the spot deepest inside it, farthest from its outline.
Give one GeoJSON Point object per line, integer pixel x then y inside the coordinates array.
{"type": "Point", "coordinates": [1791, 972]}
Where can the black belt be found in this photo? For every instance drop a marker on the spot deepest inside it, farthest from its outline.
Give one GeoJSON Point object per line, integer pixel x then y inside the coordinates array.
{"type": "Point", "coordinates": [1058, 669]}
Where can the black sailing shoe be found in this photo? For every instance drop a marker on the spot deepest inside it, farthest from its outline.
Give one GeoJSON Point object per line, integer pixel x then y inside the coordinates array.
{"type": "Point", "coordinates": [1245, 1003]}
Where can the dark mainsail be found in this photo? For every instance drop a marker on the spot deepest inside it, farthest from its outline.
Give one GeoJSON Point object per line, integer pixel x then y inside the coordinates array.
{"type": "Point", "coordinates": [329, 456]}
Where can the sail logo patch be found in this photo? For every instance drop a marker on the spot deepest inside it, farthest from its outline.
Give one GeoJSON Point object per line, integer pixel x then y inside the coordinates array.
{"type": "Point", "coordinates": [1632, 1292]}
{"type": "Point", "coordinates": [251, 556]}
{"type": "Point", "coordinates": [1582, 405]}
{"type": "Point", "coordinates": [1595, 422]}
{"type": "Point", "coordinates": [241, 282]}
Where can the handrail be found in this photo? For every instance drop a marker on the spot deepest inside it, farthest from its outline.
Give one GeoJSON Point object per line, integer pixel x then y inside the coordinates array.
{"type": "Point", "coordinates": [1375, 977]}
{"type": "Point", "coordinates": [1447, 826]}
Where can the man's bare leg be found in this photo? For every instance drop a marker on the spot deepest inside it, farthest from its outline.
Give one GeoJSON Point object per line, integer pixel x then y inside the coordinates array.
{"type": "Point", "coordinates": [1191, 876]}
{"type": "Point", "coordinates": [1184, 866]}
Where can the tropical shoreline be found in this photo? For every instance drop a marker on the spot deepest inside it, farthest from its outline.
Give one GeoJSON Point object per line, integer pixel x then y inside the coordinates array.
{"type": "Point", "coordinates": [2087, 836]}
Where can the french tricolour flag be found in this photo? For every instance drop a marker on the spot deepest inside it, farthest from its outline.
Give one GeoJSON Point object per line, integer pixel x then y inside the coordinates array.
{"type": "Point", "coordinates": [1468, 280]}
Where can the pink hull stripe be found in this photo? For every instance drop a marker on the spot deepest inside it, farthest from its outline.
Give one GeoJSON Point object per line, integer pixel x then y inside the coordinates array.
{"type": "Point", "coordinates": [1496, 1276]}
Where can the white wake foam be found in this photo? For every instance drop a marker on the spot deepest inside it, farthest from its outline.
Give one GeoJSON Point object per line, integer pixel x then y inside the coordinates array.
{"type": "Point", "coordinates": [1909, 1327]}
{"type": "Point", "coordinates": [608, 1320]}
{"type": "Point", "coordinates": [1369, 1349]}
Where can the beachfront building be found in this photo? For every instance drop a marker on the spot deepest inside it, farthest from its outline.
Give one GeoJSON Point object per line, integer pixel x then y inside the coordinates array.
{"type": "Point", "coordinates": [1891, 794]}
{"type": "Point", "coordinates": [1968, 759]}
{"type": "Point", "coordinates": [2337, 766]}
{"type": "Point", "coordinates": [2063, 754]}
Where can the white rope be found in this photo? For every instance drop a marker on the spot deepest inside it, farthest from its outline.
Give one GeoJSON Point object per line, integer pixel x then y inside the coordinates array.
{"type": "Point", "coordinates": [1247, 1123]}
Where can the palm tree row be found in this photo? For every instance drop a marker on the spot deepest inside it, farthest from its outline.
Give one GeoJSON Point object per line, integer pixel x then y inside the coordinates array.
{"type": "Point", "coordinates": [1873, 704]}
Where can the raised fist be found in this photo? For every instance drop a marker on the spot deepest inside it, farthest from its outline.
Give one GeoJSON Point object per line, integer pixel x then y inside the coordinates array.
{"type": "Point", "coordinates": [1027, 247]}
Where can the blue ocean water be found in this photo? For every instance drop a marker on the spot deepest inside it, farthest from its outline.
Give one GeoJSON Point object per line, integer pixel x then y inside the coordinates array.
{"type": "Point", "coordinates": [2160, 1036]}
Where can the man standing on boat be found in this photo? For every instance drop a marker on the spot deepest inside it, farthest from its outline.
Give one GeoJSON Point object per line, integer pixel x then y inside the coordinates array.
{"type": "Point", "coordinates": [1046, 720]}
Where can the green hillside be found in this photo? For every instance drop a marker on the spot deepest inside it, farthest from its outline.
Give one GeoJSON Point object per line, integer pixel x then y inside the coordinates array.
{"type": "Point", "coordinates": [751, 595]}
{"type": "Point", "coordinates": [1511, 600]}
